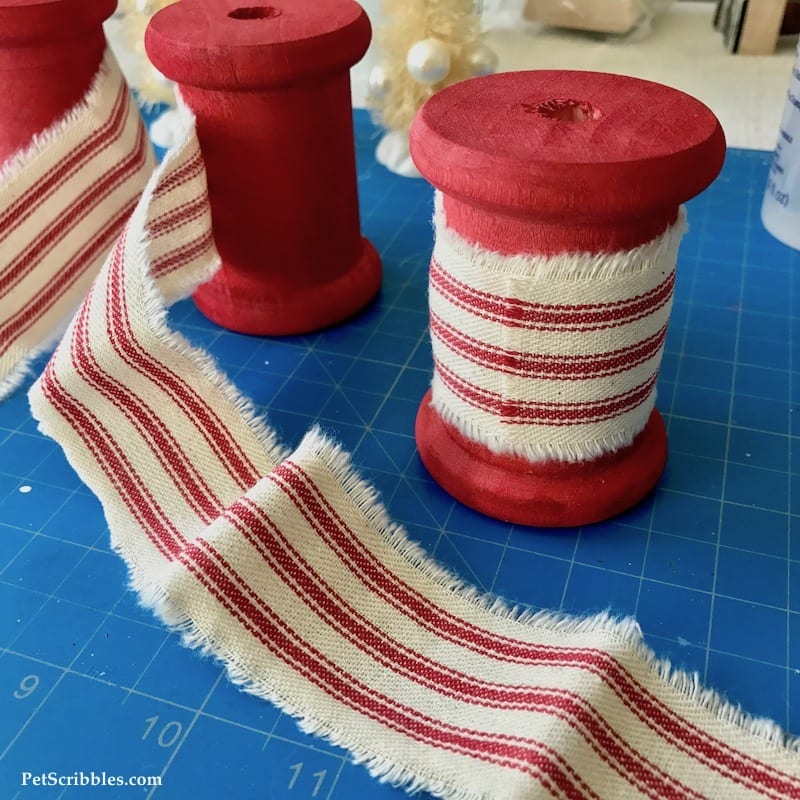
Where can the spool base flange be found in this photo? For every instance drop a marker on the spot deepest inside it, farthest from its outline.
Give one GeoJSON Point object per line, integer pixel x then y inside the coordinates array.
{"type": "Point", "coordinates": [302, 310]}
{"type": "Point", "coordinates": [544, 494]}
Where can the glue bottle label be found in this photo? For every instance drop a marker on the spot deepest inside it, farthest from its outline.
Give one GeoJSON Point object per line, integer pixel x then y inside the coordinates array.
{"type": "Point", "coordinates": [780, 211]}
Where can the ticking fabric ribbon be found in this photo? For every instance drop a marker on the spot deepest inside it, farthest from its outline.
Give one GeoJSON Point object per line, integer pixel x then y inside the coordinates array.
{"type": "Point", "coordinates": [549, 357]}
{"type": "Point", "coordinates": [287, 568]}
{"type": "Point", "coordinates": [63, 202]}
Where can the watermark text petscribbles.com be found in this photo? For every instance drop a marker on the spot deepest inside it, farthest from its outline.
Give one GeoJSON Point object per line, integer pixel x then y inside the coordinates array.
{"type": "Point", "coordinates": [87, 779]}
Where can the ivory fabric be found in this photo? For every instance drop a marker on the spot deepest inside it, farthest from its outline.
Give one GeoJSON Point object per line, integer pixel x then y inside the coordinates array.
{"type": "Point", "coordinates": [286, 567]}
{"type": "Point", "coordinates": [63, 202]}
{"type": "Point", "coordinates": [549, 357]}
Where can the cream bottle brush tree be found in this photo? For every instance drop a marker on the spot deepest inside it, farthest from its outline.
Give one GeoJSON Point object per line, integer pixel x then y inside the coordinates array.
{"type": "Point", "coordinates": [423, 46]}
{"type": "Point", "coordinates": [125, 33]}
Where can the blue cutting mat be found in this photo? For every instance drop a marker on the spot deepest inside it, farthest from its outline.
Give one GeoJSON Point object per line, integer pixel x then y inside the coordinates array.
{"type": "Point", "coordinates": [710, 564]}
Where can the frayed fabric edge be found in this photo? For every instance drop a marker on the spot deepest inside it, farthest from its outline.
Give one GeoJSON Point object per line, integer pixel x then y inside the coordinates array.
{"type": "Point", "coordinates": [541, 452]}
{"type": "Point", "coordinates": [23, 368]}
{"type": "Point", "coordinates": [563, 267]}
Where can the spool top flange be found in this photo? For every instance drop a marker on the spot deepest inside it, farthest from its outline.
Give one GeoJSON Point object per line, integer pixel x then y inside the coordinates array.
{"type": "Point", "coordinates": [227, 45]}
{"type": "Point", "coordinates": [32, 22]}
{"type": "Point", "coordinates": [588, 145]}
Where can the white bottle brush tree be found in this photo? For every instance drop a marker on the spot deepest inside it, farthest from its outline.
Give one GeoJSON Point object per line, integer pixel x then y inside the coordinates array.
{"type": "Point", "coordinates": [423, 46]}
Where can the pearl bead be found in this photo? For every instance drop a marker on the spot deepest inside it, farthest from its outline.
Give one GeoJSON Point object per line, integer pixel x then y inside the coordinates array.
{"type": "Point", "coordinates": [378, 83]}
{"type": "Point", "coordinates": [428, 61]}
{"type": "Point", "coordinates": [482, 60]}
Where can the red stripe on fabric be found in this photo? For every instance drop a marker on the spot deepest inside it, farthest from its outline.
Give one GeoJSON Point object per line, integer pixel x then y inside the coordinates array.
{"type": "Point", "coordinates": [188, 480]}
{"type": "Point", "coordinates": [541, 365]}
{"type": "Point", "coordinates": [564, 705]}
{"type": "Point", "coordinates": [555, 308]}
{"type": "Point", "coordinates": [84, 151]}
{"type": "Point", "coordinates": [189, 483]}
{"type": "Point", "coordinates": [178, 259]}
{"type": "Point", "coordinates": [542, 317]}
{"type": "Point", "coordinates": [266, 537]}
{"type": "Point", "coordinates": [686, 737]}
{"type": "Point", "coordinates": [259, 619]}
{"type": "Point", "coordinates": [115, 465]}
{"type": "Point", "coordinates": [528, 412]}
{"type": "Point", "coordinates": [27, 316]}
{"type": "Point", "coordinates": [180, 175]}
{"type": "Point", "coordinates": [70, 217]}
{"type": "Point", "coordinates": [189, 401]}
{"type": "Point", "coordinates": [194, 208]}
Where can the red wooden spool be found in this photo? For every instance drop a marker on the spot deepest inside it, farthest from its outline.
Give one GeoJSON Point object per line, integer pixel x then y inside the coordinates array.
{"type": "Point", "coordinates": [50, 51]}
{"type": "Point", "coordinates": [270, 88]}
{"type": "Point", "coordinates": [556, 162]}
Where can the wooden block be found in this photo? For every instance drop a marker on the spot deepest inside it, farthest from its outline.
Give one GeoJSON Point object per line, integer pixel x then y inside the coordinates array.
{"type": "Point", "coordinates": [761, 27]}
{"type": "Point", "coordinates": [608, 16]}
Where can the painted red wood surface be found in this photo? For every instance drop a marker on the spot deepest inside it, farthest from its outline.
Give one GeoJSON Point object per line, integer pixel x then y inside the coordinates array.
{"type": "Point", "coordinates": [270, 88]}
{"type": "Point", "coordinates": [548, 162]}
{"type": "Point", "coordinates": [49, 53]}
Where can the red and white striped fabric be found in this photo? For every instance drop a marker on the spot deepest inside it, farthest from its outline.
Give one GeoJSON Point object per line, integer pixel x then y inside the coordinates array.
{"type": "Point", "coordinates": [63, 202]}
{"type": "Point", "coordinates": [287, 568]}
{"type": "Point", "coordinates": [549, 357]}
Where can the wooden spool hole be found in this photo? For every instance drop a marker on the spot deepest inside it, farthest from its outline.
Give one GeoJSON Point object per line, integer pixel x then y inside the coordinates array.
{"type": "Point", "coordinates": [255, 12]}
{"type": "Point", "coordinates": [564, 110]}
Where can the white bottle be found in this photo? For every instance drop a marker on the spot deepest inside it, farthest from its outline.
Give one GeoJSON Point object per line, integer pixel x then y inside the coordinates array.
{"type": "Point", "coordinates": [780, 211]}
